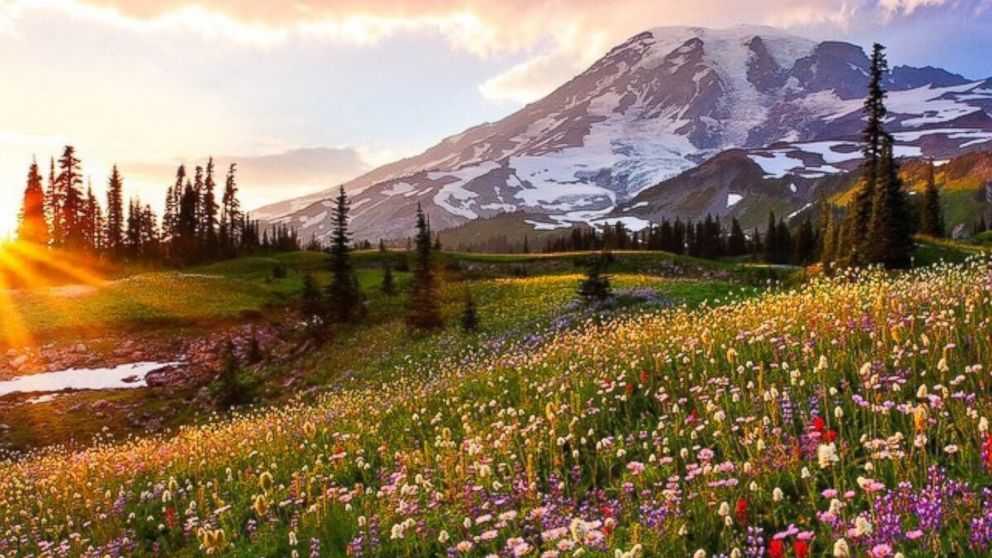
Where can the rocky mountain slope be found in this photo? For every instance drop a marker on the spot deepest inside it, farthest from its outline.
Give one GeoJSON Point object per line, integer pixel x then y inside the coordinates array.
{"type": "Point", "coordinates": [652, 109]}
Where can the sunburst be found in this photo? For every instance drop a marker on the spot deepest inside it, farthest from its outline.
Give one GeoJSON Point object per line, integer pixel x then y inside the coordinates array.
{"type": "Point", "coordinates": [29, 266]}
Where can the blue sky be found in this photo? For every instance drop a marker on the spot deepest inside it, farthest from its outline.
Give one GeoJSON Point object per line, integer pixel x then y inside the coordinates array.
{"type": "Point", "coordinates": [149, 83]}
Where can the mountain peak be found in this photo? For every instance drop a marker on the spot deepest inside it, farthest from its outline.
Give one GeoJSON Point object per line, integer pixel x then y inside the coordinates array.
{"type": "Point", "coordinates": [653, 107]}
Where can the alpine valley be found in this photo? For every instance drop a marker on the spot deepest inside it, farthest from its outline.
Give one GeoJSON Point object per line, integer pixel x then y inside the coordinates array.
{"type": "Point", "coordinates": [674, 122]}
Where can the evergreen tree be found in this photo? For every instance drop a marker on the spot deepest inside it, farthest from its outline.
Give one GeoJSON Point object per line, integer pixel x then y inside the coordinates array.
{"type": "Point", "coordinates": [173, 200]}
{"type": "Point", "coordinates": [829, 232]}
{"type": "Point", "coordinates": [873, 137]}
{"type": "Point", "coordinates": [33, 225]}
{"type": "Point", "coordinates": [115, 213]}
{"type": "Point", "coordinates": [470, 315]}
{"type": "Point", "coordinates": [772, 248]}
{"type": "Point", "coordinates": [342, 294]}
{"type": "Point", "coordinates": [312, 310]}
{"type": "Point", "coordinates": [230, 212]}
{"type": "Point", "coordinates": [92, 220]}
{"type": "Point", "coordinates": [53, 202]}
{"type": "Point", "coordinates": [423, 311]}
{"type": "Point", "coordinates": [931, 216]}
{"type": "Point", "coordinates": [69, 200]}
{"type": "Point", "coordinates": [804, 245]}
{"type": "Point", "coordinates": [737, 243]}
{"type": "Point", "coordinates": [890, 229]}
{"type": "Point", "coordinates": [595, 287]}
{"type": "Point", "coordinates": [388, 283]}
{"type": "Point", "coordinates": [198, 219]}
{"type": "Point", "coordinates": [133, 231]}
{"type": "Point", "coordinates": [231, 390]}
{"type": "Point", "coordinates": [148, 233]}
{"type": "Point", "coordinates": [209, 204]}
{"type": "Point", "coordinates": [186, 241]}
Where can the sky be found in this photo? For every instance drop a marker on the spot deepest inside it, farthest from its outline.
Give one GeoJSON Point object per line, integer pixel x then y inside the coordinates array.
{"type": "Point", "coordinates": [306, 94]}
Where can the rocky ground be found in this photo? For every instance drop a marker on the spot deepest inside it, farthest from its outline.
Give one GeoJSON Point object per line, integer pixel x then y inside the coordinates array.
{"type": "Point", "coordinates": [175, 394]}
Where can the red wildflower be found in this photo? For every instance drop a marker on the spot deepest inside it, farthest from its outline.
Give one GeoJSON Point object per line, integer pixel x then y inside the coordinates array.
{"type": "Point", "coordinates": [740, 512]}
{"type": "Point", "coordinates": [819, 425]}
{"type": "Point", "coordinates": [170, 517]}
{"type": "Point", "coordinates": [800, 549]}
{"type": "Point", "coordinates": [987, 452]}
{"type": "Point", "coordinates": [629, 390]}
{"type": "Point", "coordinates": [776, 549]}
{"type": "Point", "coordinates": [693, 416]}
{"type": "Point", "coordinates": [831, 435]}
{"type": "Point", "coordinates": [644, 377]}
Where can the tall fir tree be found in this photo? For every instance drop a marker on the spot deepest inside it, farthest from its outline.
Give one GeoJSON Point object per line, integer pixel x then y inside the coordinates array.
{"type": "Point", "coordinates": [737, 243]}
{"type": "Point", "coordinates": [115, 213]}
{"type": "Point", "coordinates": [931, 215]}
{"type": "Point", "coordinates": [424, 309]}
{"type": "Point", "coordinates": [388, 283]}
{"type": "Point", "coordinates": [470, 315]}
{"type": "Point", "coordinates": [210, 210]}
{"type": "Point", "coordinates": [829, 232]}
{"type": "Point", "coordinates": [230, 211]}
{"type": "Point", "coordinates": [343, 297]}
{"type": "Point", "coordinates": [68, 184]}
{"type": "Point", "coordinates": [173, 200]}
{"type": "Point", "coordinates": [53, 203]}
{"type": "Point", "coordinates": [92, 221]}
{"type": "Point", "coordinates": [32, 224]}
{"type": "Point", "coordinates": [873, 138]}
{"type": "Point", "coordinates": [198, 220]}
{"type": "Point", "coordinates": [890, 230]}
{"type": "Point", "coordinates": [312, 310]}
{"type": "Point", "coordinates": [132, 233]}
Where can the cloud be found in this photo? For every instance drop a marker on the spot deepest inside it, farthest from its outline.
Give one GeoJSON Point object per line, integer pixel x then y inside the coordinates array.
{"type": "Point", "coordinates": [907, 6]}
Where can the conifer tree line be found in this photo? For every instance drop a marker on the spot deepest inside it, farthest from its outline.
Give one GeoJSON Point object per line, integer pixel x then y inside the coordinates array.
{"type": "Point", "coordinates": [343, 301]}
{"type": "Point", "coordinates": [203, 219]}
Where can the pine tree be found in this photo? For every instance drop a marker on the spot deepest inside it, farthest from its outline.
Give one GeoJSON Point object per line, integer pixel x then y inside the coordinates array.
{"type": "Point", "coordinates": [33, 225]}
{"type": "Point", "coordinates": [133, 231]}
{"type": "Point", "coordinates": [342, 294]}
{"type": "Point", "coordinates": [873, 137]}
{"type": "Point", "coordinates": [92, 218]}
{"type": "Point", "coordinates": [804, 245]}
{"type": "Point", "coordinates": [149, 233]}
{"type": "Point", "coordinates": [231, 390]}
{"type": "Point", "coordinates": [595, 287]}
{"type": "Point", "coordinates": [890, 231]}
{"type": "Point", "coordinates": [53, 202]}
{"type": "Point", "coordinates": [209, 204]}
{"type": "Point", "coordinates": [312, 310]}
{"type": "Point", "coordinates": [115, 213]}
{"type": "Point", "coordinates": [198, 219]}
{"type": "Point", "coordinates": [470, 315]}
{"type": "Point", "coordinates": [69, 200]}
{"type": "Point", "coordinates": [423, 311]}
{"type": "Point", "coordinates": [737, 243]}
{"type": "Point", "coordinates": [828, 234]}
{"type": "Point", "coordinates": [931, 216]}
{"type": "Point", "coordinates": [173, 199]}
{"type": "Point", "coordinates": [185, 243]}
{"type": "Point", "coordinates": [772, 248]}
{"type": "Point", "coordinates": [230, 212]}
{"type": "Point", "coordinates": [388, 283]}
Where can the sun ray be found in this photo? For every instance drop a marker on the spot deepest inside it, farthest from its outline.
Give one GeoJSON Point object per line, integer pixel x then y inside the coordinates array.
{"type": "Point", "coordinates": [75, 267]}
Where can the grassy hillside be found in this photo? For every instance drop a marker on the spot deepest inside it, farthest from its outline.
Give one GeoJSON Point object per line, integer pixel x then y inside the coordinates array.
{"type": "Point", "coordinates": [841, 413]}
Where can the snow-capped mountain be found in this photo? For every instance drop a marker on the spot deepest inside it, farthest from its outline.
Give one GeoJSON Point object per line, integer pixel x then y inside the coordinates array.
{"type": "Point", "coordinates": [654, 107]}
